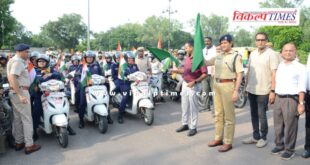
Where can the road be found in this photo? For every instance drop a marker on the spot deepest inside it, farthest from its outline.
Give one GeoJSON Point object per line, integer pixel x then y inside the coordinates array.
{"type": "Point", "coordinates": [134, 143]}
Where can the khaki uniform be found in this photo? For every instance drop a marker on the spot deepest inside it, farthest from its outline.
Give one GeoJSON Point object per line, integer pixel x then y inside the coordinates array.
{"type": "Point", "coordinates": [22, 123]}
{"type": "Point", "coordinates": [223, 104]}
{"type": "Point", "coordinates": [143, 64]}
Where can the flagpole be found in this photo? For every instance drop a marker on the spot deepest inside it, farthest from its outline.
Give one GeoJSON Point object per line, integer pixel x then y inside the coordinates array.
{"type": "Point", "coordinates": [88, 27]}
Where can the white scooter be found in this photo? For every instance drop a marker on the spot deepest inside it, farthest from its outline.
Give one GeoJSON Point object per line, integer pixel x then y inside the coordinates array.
{"type": "Point", "coordinates": [155, 84]}
{"type": "Point", "coordinates": [55, 110]}
{"type": "Point", "coordinates": [97, 99]}
{"type": "Point", "coordinates": [141, 101]}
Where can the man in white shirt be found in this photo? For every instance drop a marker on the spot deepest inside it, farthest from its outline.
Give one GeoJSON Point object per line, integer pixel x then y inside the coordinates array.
{"type": "Point", "coordinates": [289, 103]}
{"type": "Point", "coordinates": [143, 62]}
{"type": "Point", "coordinates": [263, 63]}
{"type": "Point", "coordinates": [306, 154]}
{"type": "Point", "coordinates": [207, 84]}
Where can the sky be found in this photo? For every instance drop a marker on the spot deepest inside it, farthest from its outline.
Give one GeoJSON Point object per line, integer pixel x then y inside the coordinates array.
{"type": "Point", "coordinates": [104, 14]}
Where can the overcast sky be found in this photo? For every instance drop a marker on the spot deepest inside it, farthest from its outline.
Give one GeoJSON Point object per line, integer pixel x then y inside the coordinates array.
{"type": "Point", "coordinates": [104, 14]}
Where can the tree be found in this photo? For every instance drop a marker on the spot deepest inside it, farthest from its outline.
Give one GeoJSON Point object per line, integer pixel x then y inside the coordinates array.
{"type": "Point", "coordinates": [300, 35]}
{"type": "Point", "coordinates": [8, 22]}
{"type": "Point", "coordinates": [243, 38]}
{"type": "Point", "coordinates": [281, 3]}
{"type": "Point", "coordinates": [214, 26]}
{"type": "Point", "coordinates": [66, 32]}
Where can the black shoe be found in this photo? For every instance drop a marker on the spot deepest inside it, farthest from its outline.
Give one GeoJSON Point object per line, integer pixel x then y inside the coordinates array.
{"type": "Point", "coordinates": [287, 155]}
{"type": "Point", "coordinates": [306, 154]}
{"type": "Point", "coordinates": [120, 120]}
{"type": "Point", "coordinates": [110, 121]}
{"type": "Point", "coordinates": [70, 131]}
{"type": "Point", "coordinates": [81, 124]}
{"type": "Point", "coordinates": [182, 128]}
{"type": "Point", "coordinates": [276, 151]}
{"type": "Point", "coordinates": [192, 132]}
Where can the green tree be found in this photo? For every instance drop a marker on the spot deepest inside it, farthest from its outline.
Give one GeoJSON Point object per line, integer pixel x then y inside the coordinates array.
{"type": "Point", "coordinates": [66, 32]}
{"type": "Point", "coordinates": [243, 38]}
{"type": "Point", "coordinates": [213, 26]}
{"type": "Point", "coordinates": [300, 35]}
{"type": "Point", "coordinates": [8, 23]}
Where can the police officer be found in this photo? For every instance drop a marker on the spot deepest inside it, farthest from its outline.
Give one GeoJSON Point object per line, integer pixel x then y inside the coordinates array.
{"type": "Point", "coordinates": [94, 68]}
{"type": "Point", "coordinates": [20, 99]}
{"type": "Point", "coordinates": [107, 67]}
{"type": "Point", "coordinates": [228, 75]}
{"type": "Point", "coordinates": [75, 60]}
{"type": "Point", "coordinates": [122, 86]}
{"type": "Point", "coordinates": [3, 64]}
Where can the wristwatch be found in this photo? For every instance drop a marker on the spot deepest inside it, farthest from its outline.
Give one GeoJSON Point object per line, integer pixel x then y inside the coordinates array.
{"type": "Point", "coordinates": [272, 90]}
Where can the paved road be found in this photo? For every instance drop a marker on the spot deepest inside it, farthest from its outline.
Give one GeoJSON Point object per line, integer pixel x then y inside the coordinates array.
{"type": "Point", "coordinates": [135, 143]}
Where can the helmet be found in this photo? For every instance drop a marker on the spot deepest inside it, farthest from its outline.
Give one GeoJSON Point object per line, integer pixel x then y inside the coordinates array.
{"type": "Point", "coordinates": [117, 55]}
{"type": "Point", "coordinates": [129, 54]}
{"type": "Point", "coordinates": [52, 63]}
{"type": "Point", "coordinates": [108, 55]}
{"type": "Point", "coordinates": [34, 54]}
{"type": "Point", "coordinates": [3, 56]}
{"type": "Point", "coordinates": [75, 57]}
{"type": "Point", "coordinates": [89, 53]}
{"type": "Point", "coordinates": [181, 52]}
{"type": "Point", "coordinates": [45, 58]}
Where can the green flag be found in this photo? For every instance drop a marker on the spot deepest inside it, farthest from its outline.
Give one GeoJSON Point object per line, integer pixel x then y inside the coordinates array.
{"type": "Point", "coordinates": [161, 55]}
{"type": "Point", "coordinates": [198, 46]}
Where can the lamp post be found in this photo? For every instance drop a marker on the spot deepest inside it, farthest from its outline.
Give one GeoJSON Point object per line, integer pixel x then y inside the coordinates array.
{"type": "Point", "coordinates": [88, 28]}
{"type": "Point", "coordinates": [170, 12]}
{"type": "Point", "coordinates": [2, 27]}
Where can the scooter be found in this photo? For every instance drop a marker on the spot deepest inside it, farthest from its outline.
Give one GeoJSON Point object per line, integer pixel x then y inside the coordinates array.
{"type": "Point", "coordinates": [141, 97]}
{"type": "Point", "coordinates": [97, 99]}
{"type": "Point", "coordinates": [155, 84]}
{"type": "Point", "coordinates": [55, 110]}
{"type": "Point", "coordinates": [170, 87]}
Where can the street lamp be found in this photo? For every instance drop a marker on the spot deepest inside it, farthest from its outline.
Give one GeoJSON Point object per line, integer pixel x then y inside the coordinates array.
{"type": "Point", "coordinates": [2, 27]}
{"type": "Point", "coordinates": [88, 28]}
{"type": "Point", "coordinates": [169, 11]}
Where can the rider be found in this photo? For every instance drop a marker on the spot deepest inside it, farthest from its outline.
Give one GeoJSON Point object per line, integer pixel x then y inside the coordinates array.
{"type": "Point", "coordinates": [3, 63]}
{"type": "Point", "coordinates": [156, 66]}
{"type": "Point", "coordinates": [123, 86]}
{"type": "Point", "coordinates": [94, 68]}
{"type": "Point", "coordinates": [43, 73]}
{"type": "Point", "coordinates": [107, 67]}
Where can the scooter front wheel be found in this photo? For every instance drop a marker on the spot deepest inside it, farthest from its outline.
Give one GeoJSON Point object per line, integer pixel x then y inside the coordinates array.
{"type": "Point", "coordinates": [62, 136]}
{"type": "Point", "coordinates": [148, 116]}
{"type": "Point", "coordinates": [103, 124]}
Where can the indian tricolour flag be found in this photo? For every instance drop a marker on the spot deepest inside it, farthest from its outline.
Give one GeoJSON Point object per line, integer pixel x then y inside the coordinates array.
{"type": "Point", "coordinates": [85, 76]}
{"type": "Point", "coordinates": [122, 67]}
{"type": "Point", "coordinates": [31, 71]}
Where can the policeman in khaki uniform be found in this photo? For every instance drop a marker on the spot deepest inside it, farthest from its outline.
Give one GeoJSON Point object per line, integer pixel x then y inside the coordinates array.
{"type": "Point", "coordinates": [19, 82]}
{"type": "Point", "coordinates": [228, 75]}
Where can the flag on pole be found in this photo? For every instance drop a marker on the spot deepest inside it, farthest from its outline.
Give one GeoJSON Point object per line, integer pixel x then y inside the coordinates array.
{"type": "Point", "coordinates": [31, 71]}
{"type": "Point", "coordinates": [119, 48]}
{"type": "Point", "coordinates": [162, 55]}
{"type": "Point", "coordinates": [159, 42]}
{"type": "Point", "coordinates": [85, 76]}
{"type": "Point", "coordinates": [198, 46]}
{"type": "Point", "coordinates": [122, 67]}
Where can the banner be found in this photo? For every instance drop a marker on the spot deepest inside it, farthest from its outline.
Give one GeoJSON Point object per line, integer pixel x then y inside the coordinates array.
{"type": "Point", "coordinates": [267, 17]}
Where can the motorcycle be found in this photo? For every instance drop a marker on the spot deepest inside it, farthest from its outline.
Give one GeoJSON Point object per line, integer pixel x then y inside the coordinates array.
{"type": "Point", "coordinates": [97, 99]}
{"type": "Point", "coordinates": [141, 97]}
{"type": "Point", "coordinates": [170, 85]}
{"type": "Point", "coordinates": [55, 110]}
{"type": "Point", "coordinates": [242, 95]}
{"type": "Point", "coordinates": [6, 117]}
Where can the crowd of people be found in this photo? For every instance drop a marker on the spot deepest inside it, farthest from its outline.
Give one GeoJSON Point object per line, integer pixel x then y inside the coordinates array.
{"type": "Point", "coordinates": [271, 78]}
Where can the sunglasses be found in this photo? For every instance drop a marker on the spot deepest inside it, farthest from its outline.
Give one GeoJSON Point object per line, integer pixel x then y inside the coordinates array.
{"type": "Point", "coordinates": [262, 40]}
